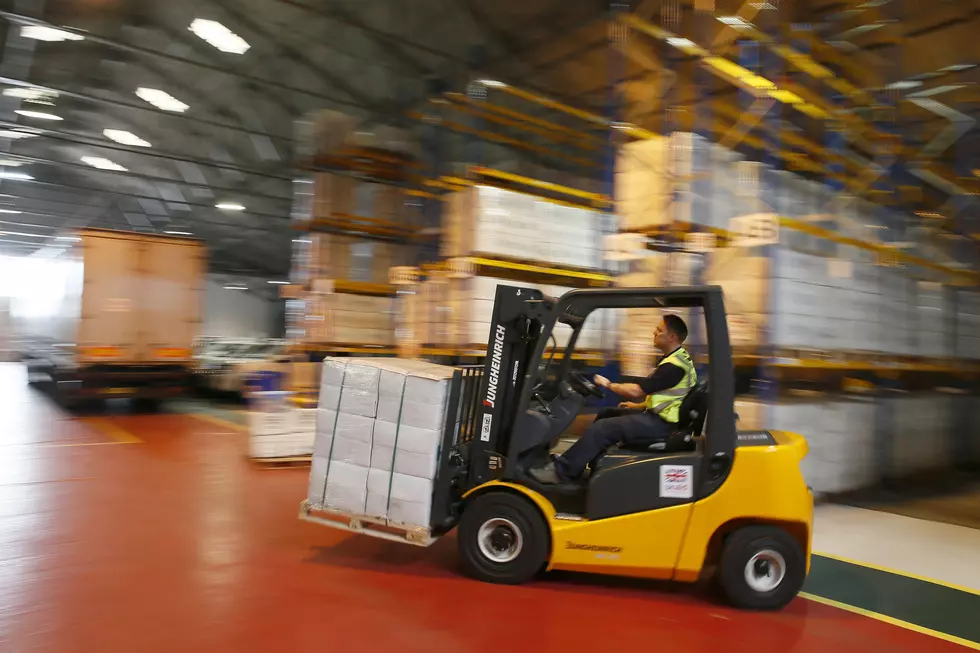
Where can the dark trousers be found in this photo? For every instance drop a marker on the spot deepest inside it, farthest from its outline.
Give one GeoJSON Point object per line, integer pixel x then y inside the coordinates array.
{"type": "Point", "coordinates": [634, 426]}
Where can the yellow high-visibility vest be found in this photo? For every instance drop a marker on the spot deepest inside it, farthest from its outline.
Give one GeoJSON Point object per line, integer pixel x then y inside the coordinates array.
{"type": "Point", "coordinates": [667, 403]}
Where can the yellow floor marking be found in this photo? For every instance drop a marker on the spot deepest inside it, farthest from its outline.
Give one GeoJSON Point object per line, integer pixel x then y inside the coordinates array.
{"type": "Point", "coordinates": [117, 433]}
{"type": "Point", "coordinates": [892, 621]}
{"type": "Point", "coordinates": [217, 421]}
{"type": "Point", "coordinates": [896, 572]}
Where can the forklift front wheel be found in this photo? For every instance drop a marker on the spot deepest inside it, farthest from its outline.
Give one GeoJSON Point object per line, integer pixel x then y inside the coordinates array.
{"type": "Point", "coordinates": [762, 568]}
{"type": "Point", "coordinates": [502, 539]}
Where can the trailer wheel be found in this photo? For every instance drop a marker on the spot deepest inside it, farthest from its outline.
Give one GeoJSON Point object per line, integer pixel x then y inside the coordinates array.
{"type": "Point", "coordinates": [502, 539]}
{"type": "Point", "coordinates": [762, 568]}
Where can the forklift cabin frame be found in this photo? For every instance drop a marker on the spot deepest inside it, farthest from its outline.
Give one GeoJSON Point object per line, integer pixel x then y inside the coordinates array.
{"type": "Point", "coordinates": [494, 429]}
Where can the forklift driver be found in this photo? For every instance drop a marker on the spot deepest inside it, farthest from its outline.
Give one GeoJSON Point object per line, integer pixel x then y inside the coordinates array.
{"type": "Point", "coordinates": [658, 398]}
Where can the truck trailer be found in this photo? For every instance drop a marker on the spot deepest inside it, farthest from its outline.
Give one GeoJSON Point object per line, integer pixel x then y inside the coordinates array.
{"type": "Point", "coordinates": [112, 314]}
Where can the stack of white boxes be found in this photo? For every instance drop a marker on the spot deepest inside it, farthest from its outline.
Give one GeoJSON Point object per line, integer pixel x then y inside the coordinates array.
{"type": "Point", "coordinates": [278, 429]}
{"type": "Point", "coordinates": [496, 222]}
{"type": "Point", "coordinates": [968, 325]}
{"type": "Point", "coordinates": [921, 440]}
{"type": "Point", "coordinates": [933, 326]}
{"type": "Point", "coordinates": [839, 434]}
{"type": "Point", "coordinates": [379, 430]}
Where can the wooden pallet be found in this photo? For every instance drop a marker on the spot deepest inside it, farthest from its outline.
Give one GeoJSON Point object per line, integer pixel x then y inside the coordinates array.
{"type": "Point", "coordinates": [365, 525]}
{"type": "Point", "coordinates": [282, 462]}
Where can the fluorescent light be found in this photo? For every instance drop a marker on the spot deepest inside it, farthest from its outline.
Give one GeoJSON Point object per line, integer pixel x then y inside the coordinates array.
{"type": "Point", "coordinates": [43, 33]}
{"type": "Point", "coordinates": [11, 163]}
{"type": "Point", "coordinates": [10, 133]}
{"type": "Point", "coordinates": [236, 288]}
{"type": "Point", "coordinates": [936, 91]}
{"type": "Point", "coordinates": [278, 283]}
{"type": "Point", "coordinates": [958, 67]}
{"type": "Point", "coordinates": [680, 42]}
{"type": "Point", "coordinates": [492, 83]}
{"type": "Point", "coordinates": [161, 100]}
{"type": "Point", "coordinates": [306, 241]}
{"type": "Point", "coordinates": [102, 163]}
{"type": "Point", "coordinates": [230, 206]}
{"type": "Point", "coordinates": [73, 239]}
{"type": "Point", "coordinates": [19, 233]}
{"type": "Point", "coordinates": [31, 94]}
{"type": "Point", "coordinates": [734, 21]}
{"type": "Point", "coordinates": [125, 137]}
{"type": "Point", "coordinates": [10, 211]}
{"type": "Point", "coordinates": [219, 36]}
{"type": "Point", "coordinates": [40, 115]}
{"type": "Point", "coordinates": [904, 85]}
{"type": "Point", "coordinates": [19, 176]}
{"type": "Point", "coordinates": [178, 233]}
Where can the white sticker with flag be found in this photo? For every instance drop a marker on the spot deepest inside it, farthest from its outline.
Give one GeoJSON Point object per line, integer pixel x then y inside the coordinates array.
{"type": "Point", "coordinates": [677, 482]}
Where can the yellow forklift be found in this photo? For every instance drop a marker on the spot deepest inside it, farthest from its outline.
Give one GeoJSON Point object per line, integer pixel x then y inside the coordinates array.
{"type": "Point", "coordinates": [708, 499]}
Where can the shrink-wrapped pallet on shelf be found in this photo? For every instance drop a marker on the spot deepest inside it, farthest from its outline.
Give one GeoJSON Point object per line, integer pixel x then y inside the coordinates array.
{"type": "Point", "coordinates": [636, 325]}
{"type": "Point", "coordinates": [968, 324]}
{"type": "Point", "coordinates": [333, 256]}
{"type": "Point", "coordinates": [380, 428]}
{"type": "Point", "coordinates": [643, 184]}
{"type": "Point", "coordinates": [337, 317]}
{"type": "Point", "coordinates": [501, 223]}
{"type": "Point", "coordinates": [840, 439]}
{"type": "Point", "coordinates": [933, 331]}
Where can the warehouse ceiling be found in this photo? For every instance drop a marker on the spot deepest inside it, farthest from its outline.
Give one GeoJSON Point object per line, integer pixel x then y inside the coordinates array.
{"type": "Point", "coordinates": [231, 143]}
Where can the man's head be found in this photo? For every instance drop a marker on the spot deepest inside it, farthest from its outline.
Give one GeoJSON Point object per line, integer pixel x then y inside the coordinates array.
{"type": "Point", "coordinates": [670, 333]}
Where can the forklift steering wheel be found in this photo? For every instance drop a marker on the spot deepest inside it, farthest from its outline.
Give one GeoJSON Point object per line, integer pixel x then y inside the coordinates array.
{"type": "Point", "coordinates": [582, 383]}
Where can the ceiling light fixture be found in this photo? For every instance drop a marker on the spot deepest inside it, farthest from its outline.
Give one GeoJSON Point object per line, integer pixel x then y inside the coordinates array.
{"type": "Point", "coordinates": [229, 206]}
{"type": "Point", "coordinates": [16, 176]}
{"type": "Point", "coordinates": [278, 283]}
{"type": "Point", "coordinates": [734, 21]}
{"type": "Point", "coordinates": [178, 233]}
{"type": "Point", "coordinates": [21, 233]}
{"type": "Point", "coordinates": [102, 163]}
{"type": "Point", "coordinates": [10, 133]}
{"type": "Point", "coordinates": [125, 137]}
{"type": "Point", "coordinates": [492, 83]}
{"type": "Point", "coordinates": [958, 67]}
{"type": "Point", "coordinates": [73, 239]}
{"type": "Point", "coordinates": [11, 163]}
{"type": "Point", "coordinates": [161, 100]}
{"type": "Point", "coordinates": [40, 115]}
{"type": "Point", "coordinates": [236, 288]}
{"type": "Point", "coordinates": [10, 211]}
{"type": "Point", "coordinates": [904, 85]}
{"type": "Point", "coordinates": [31, 94]}
{"type": "Point", "coordinates": [303, 241]}
{"type": "Point", "coordinates": [44, 33]}
{"type": "Point", "coordinates": [219, 36]}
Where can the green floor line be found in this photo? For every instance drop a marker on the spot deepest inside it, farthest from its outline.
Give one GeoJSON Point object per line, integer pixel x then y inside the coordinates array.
{"type": "Point", "coordinates": [918, 602]}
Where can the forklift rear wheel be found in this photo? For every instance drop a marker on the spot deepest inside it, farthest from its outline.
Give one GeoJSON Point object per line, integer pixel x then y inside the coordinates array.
{"type": "Point", "coordinates": [502, 539]}
{"type": "Point", "coordinates": [762, 568]}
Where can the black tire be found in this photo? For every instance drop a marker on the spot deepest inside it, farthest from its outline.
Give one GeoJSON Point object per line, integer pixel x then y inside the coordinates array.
{"type": "Point", "coordinates": [770, 544]}
{"type": "Point", "coordinates": [517, 520]}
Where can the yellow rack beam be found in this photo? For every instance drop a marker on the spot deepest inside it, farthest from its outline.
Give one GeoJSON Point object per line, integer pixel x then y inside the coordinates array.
{"type": "Point", "coordinates": [597, 198]}
{"type": "Point", "coordinates": [540, 269]}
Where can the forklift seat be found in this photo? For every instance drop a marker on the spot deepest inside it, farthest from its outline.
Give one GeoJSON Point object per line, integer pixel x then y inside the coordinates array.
{"type": "Point", "coordinates": [690, 423]}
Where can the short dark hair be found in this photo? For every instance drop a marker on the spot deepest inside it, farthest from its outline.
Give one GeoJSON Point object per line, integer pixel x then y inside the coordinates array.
{"type": "Point", "coordinates": [676, 326]}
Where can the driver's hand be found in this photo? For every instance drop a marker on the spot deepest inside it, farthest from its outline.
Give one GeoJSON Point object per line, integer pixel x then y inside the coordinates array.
{"type": "Point", "coordinates": [601, 381]}
{"type": "Point", "coordinates": [624, 404]}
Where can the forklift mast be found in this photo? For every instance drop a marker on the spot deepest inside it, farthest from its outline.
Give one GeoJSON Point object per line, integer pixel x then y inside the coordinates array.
{"type": "Point", "coordinates": [517, 324]}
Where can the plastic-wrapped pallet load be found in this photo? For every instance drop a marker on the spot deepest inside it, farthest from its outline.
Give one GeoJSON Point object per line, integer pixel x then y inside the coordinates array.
{"type": "Point", "coordinates": [379, 430]}
{"type": "Point", "coordinates": [278, 429]}
{"type": "Point", "coordinates": [496, 222]}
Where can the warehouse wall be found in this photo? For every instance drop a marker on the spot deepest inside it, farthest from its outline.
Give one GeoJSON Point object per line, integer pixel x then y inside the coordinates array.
{"type": "Point", "coordinates": [238, 314]}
